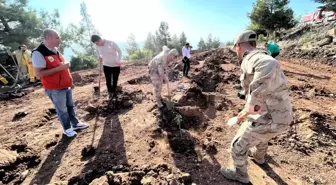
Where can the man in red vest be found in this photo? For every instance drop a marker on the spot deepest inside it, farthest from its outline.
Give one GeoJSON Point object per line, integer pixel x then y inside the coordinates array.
{"type": "Point", "coordinates": [53, 69]}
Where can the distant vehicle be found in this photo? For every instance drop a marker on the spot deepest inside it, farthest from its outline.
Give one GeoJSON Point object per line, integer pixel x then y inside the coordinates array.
{"type": "Point", "coordinates": [319, 16]}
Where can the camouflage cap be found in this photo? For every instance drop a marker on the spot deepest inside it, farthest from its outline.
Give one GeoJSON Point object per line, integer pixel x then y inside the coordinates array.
{"type": "Point", "coordinates": [174, 52]}
{"type": "Point", "coordinates": [246, 36]}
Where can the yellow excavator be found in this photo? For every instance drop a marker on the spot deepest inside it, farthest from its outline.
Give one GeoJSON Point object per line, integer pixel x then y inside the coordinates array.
{"type": "Point", "coordinates": [3, 80]}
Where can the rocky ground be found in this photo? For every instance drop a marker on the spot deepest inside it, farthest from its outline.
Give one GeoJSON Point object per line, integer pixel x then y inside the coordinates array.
{"type": "Point", "coordinates": [131, 142]}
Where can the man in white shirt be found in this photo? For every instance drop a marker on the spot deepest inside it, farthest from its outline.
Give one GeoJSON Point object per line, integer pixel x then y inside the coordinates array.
{"type": "Point", "coordinates": [186, 59]}
{"type": "Point", "coordinates": [110, 54]}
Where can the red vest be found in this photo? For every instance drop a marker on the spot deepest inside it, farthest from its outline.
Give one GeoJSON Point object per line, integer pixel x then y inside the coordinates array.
{"type": "Point", "coordinates": [59, 80]}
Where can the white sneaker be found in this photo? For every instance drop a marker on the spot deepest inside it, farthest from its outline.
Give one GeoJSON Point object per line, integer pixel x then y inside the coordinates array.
{"type": "Point", "coordinates": [80, 126]}
{"type": "Point", "coordinates": [70, 132]}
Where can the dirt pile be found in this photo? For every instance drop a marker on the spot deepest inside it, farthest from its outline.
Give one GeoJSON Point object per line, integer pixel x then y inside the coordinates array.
{"type": "Point", "coordinates": [140, 80]}
{"type": "Point", "coordinates": [309, 133]}
{"type": "Point", "coordinates": [325, 55]}
{"type": "Point", "coordinates": [216, 57]}
{"type": "Point", "coordinates": [213, 75]}
{"type": "Point", "coordinates": [15, 163]}
{"type": "Point", "coordinates": [125, 100]}
{"type": "Point", "coordinates": [145, 175]}
{"type": "Point", "coordinates": [12, 95]}
{"type": "Point", "coordinates": [213, 81]}
{"type": "Point", "coordinates": [307, 91]}
{"type": "Point", "coordinates": [85, 78]}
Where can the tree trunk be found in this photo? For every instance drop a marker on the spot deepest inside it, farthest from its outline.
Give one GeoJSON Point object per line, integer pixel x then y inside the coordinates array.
{"type": "Point", "coordinates": [4, 23]}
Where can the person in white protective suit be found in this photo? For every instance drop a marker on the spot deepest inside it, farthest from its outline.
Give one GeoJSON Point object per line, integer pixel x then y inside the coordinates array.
{"type": "Point", "coordinates": [157, 69]}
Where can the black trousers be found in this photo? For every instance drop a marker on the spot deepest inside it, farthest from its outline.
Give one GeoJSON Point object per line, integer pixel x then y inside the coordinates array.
{"type": "Point", "coordinates": [275, 55]}
{"type": "Point", "coordinates": [111, 72]}
{"type": "Point", "coordinates": [186, 66]}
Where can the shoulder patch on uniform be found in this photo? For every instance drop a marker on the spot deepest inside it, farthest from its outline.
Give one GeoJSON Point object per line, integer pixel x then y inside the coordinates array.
{"type": "Point", "coordinates": [51, 59]}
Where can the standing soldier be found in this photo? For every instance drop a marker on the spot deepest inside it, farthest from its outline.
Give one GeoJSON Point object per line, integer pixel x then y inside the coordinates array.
{"type": "Point", "coordinates": [157, 69]}
{"type": "Point", "coordinates": [265, 87]}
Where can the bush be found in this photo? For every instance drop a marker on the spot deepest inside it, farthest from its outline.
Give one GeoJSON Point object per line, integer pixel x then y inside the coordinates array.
{"type": "Point", "coordinates": [81, 62]}
{"type": "Point", "coordinates": [229, 43]}
{"type": "Point", "coordinates": [306, 40]}
{"type": "Point", "coordinates": [262, 39]}
{"type": "Point", "coordinates": [141, 54]}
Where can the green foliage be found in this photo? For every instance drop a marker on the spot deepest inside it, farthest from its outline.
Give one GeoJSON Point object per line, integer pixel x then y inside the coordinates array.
{"type": "Point", "coordinates": [18, 25]}
{"type": "Point", "coordinates": [175, 43]}
{"type": "Point", "coordinates": [162, 36]}
{"type": "Point", "coordinates": [328, 4]}
{"type": "Point", "coordinates": [201, 45]}
{"type": "Point", "coordinates": [131, 45]}
{"type": "Point", "coordinates": [150, 43]}
{"type": "Point", "coordinates": [83, 61]}
{"type": "Point", "coordinates": [262, 39]}
{"type": "Point", "coordinates": [21, 25]}
{"type": "Point", "coordinates": [88, 29]}
{"type": "Point", "coordinates": [298, 18]}
{"type": "Point", "coordinates": [183, 39]}
{"type": "Point", "coordinates": [141, 54]}
{"type": "Point", "coordinates": [306, 40]}
{"type": "Point", "coordinates": [70, 34]}
{"type": "Point", "coordinates": [215, 42]}
{"type": "Point", "coordinates": [209, 44]}
{"type": "Point", "coordinates": [253, 26]}
{"type": "Point", "coordinates": [229, 43]}
{"type": "Point", "coordinates": [271, 15]}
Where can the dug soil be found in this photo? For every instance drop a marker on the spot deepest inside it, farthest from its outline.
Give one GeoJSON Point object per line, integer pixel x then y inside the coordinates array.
{"type": "Point", "coordinates": [130, 141]}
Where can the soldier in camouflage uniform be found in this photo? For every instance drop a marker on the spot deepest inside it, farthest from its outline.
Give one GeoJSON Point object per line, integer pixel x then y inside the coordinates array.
{"type": "Point", "coordinates": [265, 87]}
{"type": "Point", "coordinates": [157, 69]}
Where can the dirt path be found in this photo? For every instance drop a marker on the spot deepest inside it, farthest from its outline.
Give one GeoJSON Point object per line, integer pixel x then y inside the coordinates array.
{"type": "Point", "coordinates": [128, 142]}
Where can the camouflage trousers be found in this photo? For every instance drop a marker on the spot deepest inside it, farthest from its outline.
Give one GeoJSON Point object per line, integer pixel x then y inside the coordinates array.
{"type": "Point", "coordinates": [157, 82]}
{"type": "Point", "coordinates": [249, 135]}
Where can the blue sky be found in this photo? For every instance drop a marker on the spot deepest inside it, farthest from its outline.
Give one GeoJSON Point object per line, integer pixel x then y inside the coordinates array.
{"type": "Point", "coordinates": [116, 19]}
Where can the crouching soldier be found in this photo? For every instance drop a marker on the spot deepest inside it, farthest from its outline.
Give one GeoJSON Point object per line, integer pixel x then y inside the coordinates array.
{"type": "Point", "coordinates": [265, 87]}
{"type": "Point", "coordinates": [158, 72]}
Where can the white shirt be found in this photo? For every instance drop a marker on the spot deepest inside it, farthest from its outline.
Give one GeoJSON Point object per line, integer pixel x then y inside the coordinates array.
{"type": "Point", "coordinates": [186, 52]}
{"type": "Point", "coordinates": [110, 53]}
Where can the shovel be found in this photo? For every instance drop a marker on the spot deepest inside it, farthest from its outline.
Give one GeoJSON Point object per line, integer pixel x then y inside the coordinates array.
{"type": "Point", "coordinates": [169, 103]}
{"type": "Point", "coordinates": [97, 88]}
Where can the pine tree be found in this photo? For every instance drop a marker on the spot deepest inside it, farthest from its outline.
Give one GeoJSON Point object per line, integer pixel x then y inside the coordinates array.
{"type": "Point", "coordinates": [150, 43]}
{"type": "Point", "coordinates": [162, 36]}
{"type": "Point", "coordinates": [201, 45]}
{"type": "Point", "coordinates": [131, 45]}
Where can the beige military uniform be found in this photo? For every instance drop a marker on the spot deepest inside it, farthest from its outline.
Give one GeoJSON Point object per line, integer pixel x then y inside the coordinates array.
{"type": "Point", "coordinates": [265, 85]}
{"type": "Point", "coordinates": [157, 69]}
